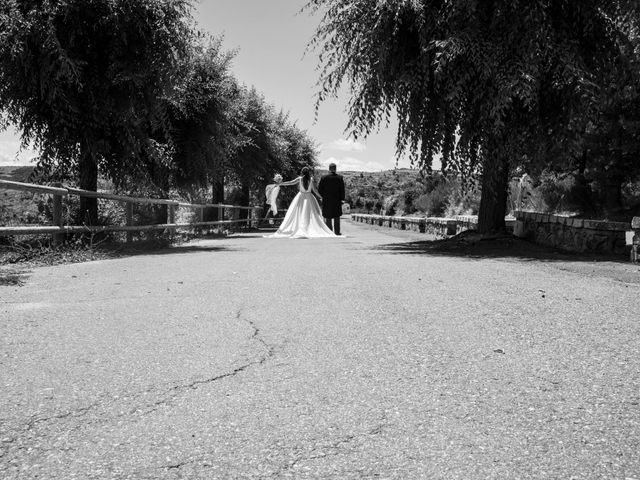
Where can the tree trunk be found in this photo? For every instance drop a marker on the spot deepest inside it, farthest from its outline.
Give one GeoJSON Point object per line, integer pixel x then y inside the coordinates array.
{"type": "Point", "coordinates": [88, 214]}
{"type": "Point", "coordinates": [582, 191]}
{"type": "Point", "coordinates": [612, 194]}
{"type": "Point", "coordinates": [217, 196]}
{"type": "Point", "coordinates": [493, 202]}
{"type": "Point", "coordinates": [244, 201]}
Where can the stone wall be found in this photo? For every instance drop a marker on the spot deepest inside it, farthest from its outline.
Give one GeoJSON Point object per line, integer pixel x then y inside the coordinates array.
{"type": "Point", "coordinates": [440, 227]}
{"type": "Point", "coordinates": [437, 226]}
{"type": "Point", "coordinates": [564, 233]}
{"type": "Point", "coordinates": [572, 234]}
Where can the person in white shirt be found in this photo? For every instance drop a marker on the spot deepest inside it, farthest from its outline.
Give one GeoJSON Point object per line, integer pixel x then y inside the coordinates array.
{"type": "Point", "coordinates": [271, 193]}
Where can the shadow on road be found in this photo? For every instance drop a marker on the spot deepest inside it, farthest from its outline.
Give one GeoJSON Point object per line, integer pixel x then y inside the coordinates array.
{"type": "Point", "coordinates": [503, 247]}
{"type": "Point", "coordinates": [613, 267]}
{"type": "Point", "coordinates": [177, 249]}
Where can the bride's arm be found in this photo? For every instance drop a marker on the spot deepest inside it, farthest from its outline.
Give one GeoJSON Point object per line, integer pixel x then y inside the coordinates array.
{"type": "Point", "coordinates": [290, 182]}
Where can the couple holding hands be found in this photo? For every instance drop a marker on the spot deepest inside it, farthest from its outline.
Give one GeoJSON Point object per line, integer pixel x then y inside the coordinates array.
{"type": "Point", "coordinates": [304, 219]}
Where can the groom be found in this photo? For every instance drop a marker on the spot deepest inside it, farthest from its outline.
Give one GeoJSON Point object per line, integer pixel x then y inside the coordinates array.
{"type": "Point", "coordinates": [331, 189]}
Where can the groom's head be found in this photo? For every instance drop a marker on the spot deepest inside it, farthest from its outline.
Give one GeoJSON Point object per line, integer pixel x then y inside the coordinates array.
{"type": "Point", "coordinates": [332, 167]}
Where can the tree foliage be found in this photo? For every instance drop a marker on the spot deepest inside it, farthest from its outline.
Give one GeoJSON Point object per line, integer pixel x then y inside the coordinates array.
{"type": "Point", "coordinates": [129, 89]}
{"type": "Point", "coordinates": [204, 114]}
{"type": "Point", "coordinates": [269, 142]}
{"type": "Point", "coordinates": [490, 84]}
{"type": "Point", "coordinates": [228, 136]}
{"type": "Point", "coordinates": [84, 81]}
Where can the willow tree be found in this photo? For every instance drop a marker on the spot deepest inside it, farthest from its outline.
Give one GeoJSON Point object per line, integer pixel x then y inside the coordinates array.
{"type": "Point", "coordinates": [267, 142]}
{"type": "Point", "coordinates": [204, 113]}
{"type": "Point", "coordinates": [483, 82]}
{"type": "Point", "coordinates": [84, 80]}
{"type": "Point", "coordinates": [611, 155]}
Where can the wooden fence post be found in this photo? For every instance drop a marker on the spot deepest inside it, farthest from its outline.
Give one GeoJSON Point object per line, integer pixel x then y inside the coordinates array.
{"type": "Point", "coordinates": [171, 217]}
{"type": "Point", "coordinates": [58, 238]}
{"type": "Point", "coordinates": [199, 229]}
{"type": "Point", "coordinates": [220, 213]}
{"type": "Point", "coordinates": [129, 214]}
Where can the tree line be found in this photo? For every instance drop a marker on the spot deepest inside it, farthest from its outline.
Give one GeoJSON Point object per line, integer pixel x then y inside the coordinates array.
{"type": "Point", "coordinates": [494, 86]}
{"type": "Point", "coordinates": [131, 90]}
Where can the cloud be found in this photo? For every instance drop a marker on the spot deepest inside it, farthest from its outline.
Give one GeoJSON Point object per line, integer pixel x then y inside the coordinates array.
{"type": "Point", "coordinates": [348, 145]}
{"type": "Point", "coordinates": [353, 164]}
{"type": "Point", "coordinates": [10, 153]}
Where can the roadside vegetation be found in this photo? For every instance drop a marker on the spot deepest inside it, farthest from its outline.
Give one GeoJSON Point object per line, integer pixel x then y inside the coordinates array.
{"type": "Point", "coordinates": [494, 89]}
{"type": "Point", "coordinates": [130, 96]}
{"type": "Point", "coordinates": [409, 192]}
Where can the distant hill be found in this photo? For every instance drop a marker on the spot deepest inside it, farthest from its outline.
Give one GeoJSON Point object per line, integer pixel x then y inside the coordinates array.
{"type": "Point", "coordinates": [16, 207]}
{"type": "Point", "coordinates": [371, 190]}
{"type": "Point", "coordinates": [384, 183]}
{"type": "Point", "coordinates": [15, 173]}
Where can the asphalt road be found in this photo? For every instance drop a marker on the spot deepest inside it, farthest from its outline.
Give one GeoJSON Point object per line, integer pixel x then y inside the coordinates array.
{"type": "Point", "coordinates": [358, 357]}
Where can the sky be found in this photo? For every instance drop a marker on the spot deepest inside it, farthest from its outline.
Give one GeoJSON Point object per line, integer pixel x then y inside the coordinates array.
{"type": "Point", "coordinates": [271, 37]}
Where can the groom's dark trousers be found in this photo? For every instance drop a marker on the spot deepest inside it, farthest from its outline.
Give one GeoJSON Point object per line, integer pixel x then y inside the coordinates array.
{"type": "Point", "coordinates": [331, 189]}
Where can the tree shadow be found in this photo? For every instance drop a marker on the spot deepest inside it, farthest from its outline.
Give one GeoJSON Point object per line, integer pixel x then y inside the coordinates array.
{"type": "Point", "coordinates": [505, 247]}
{"type": "Point", "coordinates": [170, 250]}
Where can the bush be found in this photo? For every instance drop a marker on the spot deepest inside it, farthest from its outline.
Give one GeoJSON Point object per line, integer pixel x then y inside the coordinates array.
{"type": "Point", "coordinates": [390, 205]}
{"type": "Point", "coordinates": [560, 193]}
{"type": "Point", "coordinates": [435, 202]}
{"type": "Point", "coordinates": [462, 201]}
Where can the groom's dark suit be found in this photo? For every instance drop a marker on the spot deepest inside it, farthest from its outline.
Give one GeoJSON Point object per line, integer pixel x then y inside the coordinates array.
{"type": "Point", "coordinates": [331, 189]}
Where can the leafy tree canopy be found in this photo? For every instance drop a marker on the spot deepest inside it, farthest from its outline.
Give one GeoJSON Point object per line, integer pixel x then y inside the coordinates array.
{"type": "Point", "coordinates": [204, 112]}
{"type": "Point", "coordinates": [84, 79]}
{"type": "Point", "coordinates": [483, 82]}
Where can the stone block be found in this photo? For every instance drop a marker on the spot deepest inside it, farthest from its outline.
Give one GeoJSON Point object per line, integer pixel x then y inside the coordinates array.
{"type": "Point", "coordinates": [615, 226]}
{"type": "Point", "coordinates": [592, 224]}
{"type": "Point", "coordinates": [519, 229]}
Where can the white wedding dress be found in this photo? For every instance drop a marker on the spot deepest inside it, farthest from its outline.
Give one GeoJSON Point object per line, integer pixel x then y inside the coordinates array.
{"type": "Point", "coordinates": [304, 217]}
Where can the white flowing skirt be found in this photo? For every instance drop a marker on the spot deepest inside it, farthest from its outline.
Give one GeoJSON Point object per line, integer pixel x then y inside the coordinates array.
{"type": "Point", "coordinates": [303, 219]}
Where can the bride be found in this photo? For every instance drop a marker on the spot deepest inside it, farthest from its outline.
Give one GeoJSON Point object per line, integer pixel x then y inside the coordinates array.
{"type": "Point", "coordinates": [304, 217]}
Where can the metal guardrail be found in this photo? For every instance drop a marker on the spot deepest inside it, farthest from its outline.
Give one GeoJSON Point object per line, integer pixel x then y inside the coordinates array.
{"type": "Point", "coordinates": [58, 229]}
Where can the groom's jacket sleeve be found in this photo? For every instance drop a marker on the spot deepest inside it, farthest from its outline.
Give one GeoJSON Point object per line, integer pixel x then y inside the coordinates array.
{"type": "Point", "coordinates": [341, 188]}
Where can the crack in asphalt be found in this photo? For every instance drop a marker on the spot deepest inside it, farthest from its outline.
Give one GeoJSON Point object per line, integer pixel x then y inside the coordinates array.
{"type": "Point", "coordinates": [331, 449]}
{"type": "Point", "coordinates": [79, 412]}
{"type": "Point", "coordinates": [169, 395]}
{"type": "Point", "coordinates": [269, 353]}
{"type": "Point", "coordinates": [324, 451]}
{"type": "Point", "coordinates": [177, 389]}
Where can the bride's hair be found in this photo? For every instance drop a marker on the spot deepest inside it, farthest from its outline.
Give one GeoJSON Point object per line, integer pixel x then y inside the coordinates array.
{"type": "Point", "coordinates": [306, 176]}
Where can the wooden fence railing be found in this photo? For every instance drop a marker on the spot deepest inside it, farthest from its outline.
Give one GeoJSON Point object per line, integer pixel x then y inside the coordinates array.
{"type": "Point", "coordinates": [58, 228]}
